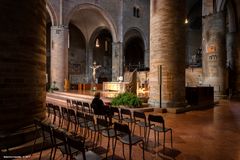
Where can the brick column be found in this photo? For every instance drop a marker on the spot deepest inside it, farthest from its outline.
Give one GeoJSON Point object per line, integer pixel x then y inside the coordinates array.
{"type": "Point", "coordinates": [22, 66]}
{"type": "Point", "coordinates": [167, 48]}
{"type": "Point", "coordinates": [59, 55]}
{"type": "Point", "coordinates": [117, 60]}
{"type": "Point", "coordinates": [214, 52]}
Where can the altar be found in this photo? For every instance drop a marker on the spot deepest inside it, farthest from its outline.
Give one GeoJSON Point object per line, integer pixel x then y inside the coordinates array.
{"type": "Point", "coordinates": [111, 89]}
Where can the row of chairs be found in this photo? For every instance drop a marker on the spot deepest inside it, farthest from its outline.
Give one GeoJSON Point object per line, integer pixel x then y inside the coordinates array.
{"type": "Point", "coordinates": [79, 105]}
{"type": "Point", "coordinates": [153, 123]}
{"type": "Point", "coordinates": [67, 143]}
{"type": "Point", "coordinates": [95, 127]}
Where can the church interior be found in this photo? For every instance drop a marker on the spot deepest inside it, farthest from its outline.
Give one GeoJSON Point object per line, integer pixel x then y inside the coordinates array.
{"type": "Point", "coordinates": [181, 58]}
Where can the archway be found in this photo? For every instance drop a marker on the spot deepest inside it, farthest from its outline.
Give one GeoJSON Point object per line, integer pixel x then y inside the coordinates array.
{"type": "Point", "coordinates": [76, 56]}
{"type": "Point", "coordinates": [95, 22]}
{"type": "Point", "coordinates": [101, 45]}
{"type": "Point", "coordinates": [193, 33]}
{"type": "Point", "coordinates": [134, 50]}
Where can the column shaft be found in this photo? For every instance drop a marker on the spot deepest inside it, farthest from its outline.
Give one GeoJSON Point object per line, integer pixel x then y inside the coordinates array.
{"type": "Point", "coordinates": [214, 52]}
{"type": "Point", "coordinates": [117, 60]}
{"type": "Point", "coordinates": [59, 55]}
{"type": "Point", "coordinates": [167, 48]}
{"type": "Point", "coordinates": [22, 64]}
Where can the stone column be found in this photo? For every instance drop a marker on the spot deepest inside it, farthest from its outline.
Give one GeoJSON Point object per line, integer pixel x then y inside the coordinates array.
{"type": "Point", "coordinates": [214, 52]}
{"type": "Point", "coordinates": [89, 62]}
{"type": "Point", "coordinates": [146, 57]}
{"type": "Point", "coordinates": [236, 67]}
{"type": "Point", "coordinates": [59, 55]}
{"type": "Point", "coordinates": [167, 48]}
{"type": "Point", "coordinates": [22, 66]}
{"type": "Point", "coordinates": [117, 60]}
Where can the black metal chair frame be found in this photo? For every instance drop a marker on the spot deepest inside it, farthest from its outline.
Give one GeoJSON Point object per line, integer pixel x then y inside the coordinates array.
{"type": "Point", "coordinates": [72, 119]}
{"type": "Point", "coordinates": [126, 116]}
{"type": "Point", "coordinates": [126, 138]}
{"type": "Point", "coordinates": [106, 130]}
{"type": "Point", "coordinates": [57, 114]}
{"type": "Point", "coordinates": [65, 116]}
{"type": "Point", "coordinates": [80, 145]}
{"type": "Point", "coordinates": [60, 142]}
{"type": "Point", "coordinates": [157, 124]}
{"type": "Point", "coordinates": [141, 121]}
{"type": "Point", "coordinates": [116, 116]}
{"type": "Point", "coordinates": [47, 137]}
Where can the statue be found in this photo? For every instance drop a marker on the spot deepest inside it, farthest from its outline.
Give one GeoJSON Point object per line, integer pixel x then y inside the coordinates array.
{"type": "Point", "coordinates": [94, 67]}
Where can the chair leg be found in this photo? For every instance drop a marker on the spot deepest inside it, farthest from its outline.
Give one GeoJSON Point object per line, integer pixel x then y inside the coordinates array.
{"type": "Point", "coordinates": [171, 140]}
{"type": "Point", "coordinates": [107, 147]}
{"type": "Point", "coordinates": [114, 147]}
{"type": "Point", "coordinates": [54, 154]}
{"type": "Point", "coordinates": [155, 139]}
{"type": "Point", "coordinates": [123, 151]}
{"type": "Point", "coordinates": [130, 151]}
{"type": "Point", "coordinates": [143, 149]}
{"type": "Point", "coordinates": [148, 136]}
{"type": "Point", "coordinates": [164, 141]}
{"type": "Point", "coordinates": [41, 151]}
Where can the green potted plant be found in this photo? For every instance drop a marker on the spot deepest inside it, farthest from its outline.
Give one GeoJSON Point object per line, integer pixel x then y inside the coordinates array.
{"type": "Point", "coordinates": [126, 99]}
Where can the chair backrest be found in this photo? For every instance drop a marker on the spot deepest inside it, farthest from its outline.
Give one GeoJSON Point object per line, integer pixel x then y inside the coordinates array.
{"type": "Point", "coordinates": [122, 128]}
{"type": "Point", "coordinates": [57, 110]}
{"type": "Point", "coordinates": [65, 113]}
{"type": "Point", "coordinates": [78, 105]}
{"type": "Point", "coordinates": [50, 108]}
{"type": "Point", "coordinates": [139, 116]}
{"type": "Point", "coordinates": [80, 115]}
{"type": "Point", "coordinates": [114, 110]}
{"type": "Point", "coordinates": [156, 119]}
{"type": "Point", "coordinates": [69, 104]}
{"type": "Point", "coordinates": [72, 115]}
{"type": "Point", "coordinates": [46, 131]}
{"type": "Point", "coordinates": [89, 118]}
{"type": "Point", "coordinates": [74, 103]}
{"type": "Point", "coordinates": [103, 122]}
{"type": "Point", "coordinates": [126, 112]}
{"type": "Point", "coordinates": [85, 104]}
{"type": "Point", "coordinates": [77, 144]}
{"type": "Point", "coordinates": [58, 134]}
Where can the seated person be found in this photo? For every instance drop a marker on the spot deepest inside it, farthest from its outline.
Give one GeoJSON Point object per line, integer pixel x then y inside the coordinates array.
{"type": "Point", "coordinates": [98, 105]}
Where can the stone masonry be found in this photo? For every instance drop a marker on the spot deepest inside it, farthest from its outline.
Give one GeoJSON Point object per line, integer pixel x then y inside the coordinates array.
{"type": "Point", "coordinates": [167, 48]}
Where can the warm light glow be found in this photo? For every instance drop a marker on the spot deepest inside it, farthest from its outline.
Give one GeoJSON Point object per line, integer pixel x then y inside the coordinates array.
{"type": "Point", "coordinates": [97, 43]}
{"type": "Point", "coordinates": [106, 46]}
{"type": "Point", "coordinates": [186, 21]}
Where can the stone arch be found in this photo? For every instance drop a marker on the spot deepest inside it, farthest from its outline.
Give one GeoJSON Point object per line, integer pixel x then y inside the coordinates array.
{"type": "Point", "coordinates": [231, 16]}
{"type": "Point", "coordinates": [52, 13]}
{"type": "Point", "coordinates": [101, 11]}
{"type": "Point", "coordinates": [228, 5]}
{"type": "Point", "coordinates": [134, 31]}
{"type": "Point", "coordinates": [134, 36]}
{"type": "Point", "coordinates": [106, 59]}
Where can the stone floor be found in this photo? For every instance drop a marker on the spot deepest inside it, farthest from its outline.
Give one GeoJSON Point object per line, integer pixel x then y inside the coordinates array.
{"type": "Point", "coordinates": [210, 134]}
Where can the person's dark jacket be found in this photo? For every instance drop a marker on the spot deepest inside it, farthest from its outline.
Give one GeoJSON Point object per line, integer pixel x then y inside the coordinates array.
{"type": "Point", "coordinates": [98, 106]}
